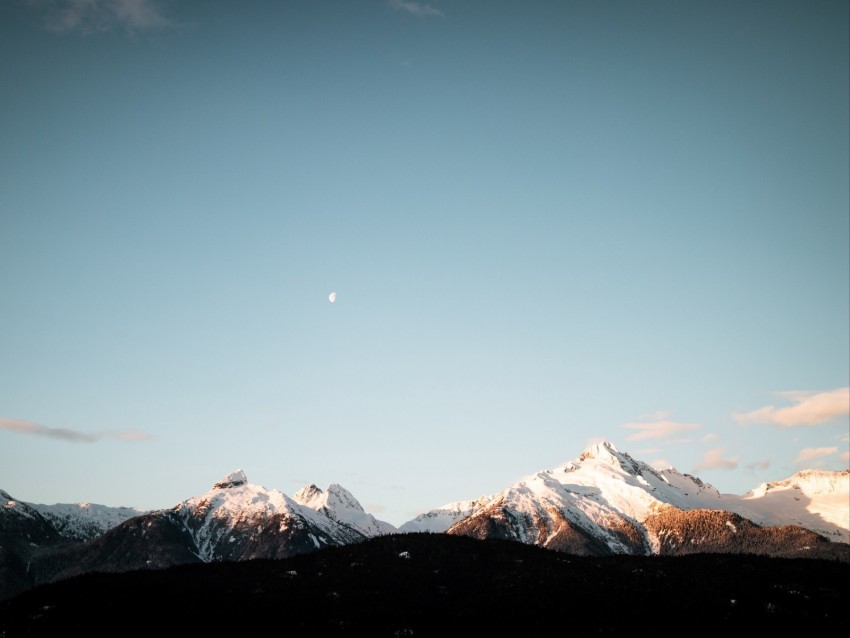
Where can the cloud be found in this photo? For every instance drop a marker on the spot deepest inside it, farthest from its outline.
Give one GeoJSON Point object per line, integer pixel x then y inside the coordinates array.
{"type": "Point", "coordinates": [658, 429]}
{"type": "Point", "coordinates": [759, 465]}
{"type": "Point", "coordinates": [713, 460]}
{"type": "Point", "coordinates": [811, 453]}
{"type": "Point", "coordinates": [374, 508]}
{"type": "Point", "coordinates": [708, 438]}
{"type": "Point", "coordinates": [415, 8]}
{"type": "Point", "coordinates": [811, 408]}
{"type": "Point", "coordinates": [90, 16]}
{"type": "Point", "coordinates": [845, 457]}
{"type": "Point", "coordinates": [67, 434]}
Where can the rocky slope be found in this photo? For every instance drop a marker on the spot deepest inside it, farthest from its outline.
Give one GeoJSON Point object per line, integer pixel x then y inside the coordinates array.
{"type": "Point", "coordinates": [235, 520]}
{"type": "Point", "coordinates": [606, 502]}
{"type": "Point", "coordinates": [603, 503]}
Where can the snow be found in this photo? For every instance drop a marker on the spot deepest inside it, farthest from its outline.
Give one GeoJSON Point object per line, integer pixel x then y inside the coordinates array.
{"type": "Point", "coordinates": [600, 491]}
{"type": "Point", "coordinates": [604, 488]}
{"type": "Point", "coordinates": [234, 479]}
{"type": "Point", "coordinates": [816, 499]}
{"type": "Point", "coordinates": [19, 508]}
{"type": "Point", "coordinates": [441, 519]}
{"type": "Point", "coordinates": [233, 502]}
{"type": "Point", "coordinates": [340, 505]}
{"type": "Point", "coordinates": [80, 521]}
{"type": "Point", "coordinates": [86, 520]}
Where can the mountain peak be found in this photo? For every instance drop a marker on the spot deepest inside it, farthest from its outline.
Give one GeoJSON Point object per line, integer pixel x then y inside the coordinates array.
{"type": "Point", "coordinates": [338, 504]}
{"type": "Point", "coordinates": [807, 482]}
{"type": "Point", "coordinates": [336, 499]}
{"type": "Point", "coordinates": [309, 495]}
{"type": "Point", "coordinates": [234, 479]}
{"type": "Point", "coordinates": [340, 498]}
{"type": "Point", "coordinates": [604, 450]}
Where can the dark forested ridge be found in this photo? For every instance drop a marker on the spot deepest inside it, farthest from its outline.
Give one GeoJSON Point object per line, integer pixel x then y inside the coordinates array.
{"type": "Point", "coordinates": [434, 584]}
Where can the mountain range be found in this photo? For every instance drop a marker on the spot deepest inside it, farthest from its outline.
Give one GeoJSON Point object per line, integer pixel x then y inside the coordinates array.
{"type": "Point", "coordinates": [603, 503]}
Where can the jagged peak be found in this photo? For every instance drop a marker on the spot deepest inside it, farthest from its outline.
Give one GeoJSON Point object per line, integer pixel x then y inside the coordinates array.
{"type": "Point", "coordinates": [338, 496]}
{"type": "Point", "coordinates": [335, 498]}
{"type": "Point", "coordinates": [607, 452]}
{"type": "Point", "coordinates": [601, 450]}
{"type": "Point", "coordinates": [234, 479]}
{"type": "Point", "coordinates": [308, 494]}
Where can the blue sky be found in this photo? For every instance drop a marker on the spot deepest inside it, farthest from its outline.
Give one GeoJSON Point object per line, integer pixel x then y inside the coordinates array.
{"type": "Point", "coordinates": [546, 223]}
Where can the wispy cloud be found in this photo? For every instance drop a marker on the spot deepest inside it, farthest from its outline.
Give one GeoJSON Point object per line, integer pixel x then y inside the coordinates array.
{"type": "Point", "coordinates": [661, 464]}
{"type": "Point", "coordinates": [70, 435]}
{"type": "Point", "coordinates": [811, 453]}
{"type": "Point", "coordinates": [415, 8]}
{"type": "Point", "coordinates": [90, 16]}
{"type": "Point", "coordinates": [759, 465]}
{"type": "Point", "coordinates": [810, 408]}
{"type": "Point", "coordinates": [658, 429]}
{"type": "Point", "coordinates": [845, 457]}
{"type": "Point", "coordinates": [713, 460]}
{"type": "Point", "coordinates": [374, 508]}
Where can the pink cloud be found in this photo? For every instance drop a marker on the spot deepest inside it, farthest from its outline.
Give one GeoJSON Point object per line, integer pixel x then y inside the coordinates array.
{"type": "Point", "coordinates": [713, 460]}
{"type": "Point", "coordinates": [374, 508]}
{"type": "Point", "coordinates": [661, 464]}
{"type": "Point", "coordinates": [70, 435]}
{"type": "Point", "coordinates": [810, 408]}
{"type": "Point", "coordinates": [759, 465]}
{"type": "Point", "coordinates": [658, 429]}
{"type": "Point", "coordinates": [811, 453]}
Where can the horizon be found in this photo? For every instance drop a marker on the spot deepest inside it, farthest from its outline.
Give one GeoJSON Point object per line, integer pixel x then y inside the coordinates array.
{"type": "Point", "coordinates": [399, 523]}
{"type": "Point", "coordinates": [419, 249]}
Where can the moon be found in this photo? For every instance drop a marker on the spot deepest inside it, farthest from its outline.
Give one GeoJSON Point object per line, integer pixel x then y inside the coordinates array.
{"type": "Point", "coordinates": [332, 297]}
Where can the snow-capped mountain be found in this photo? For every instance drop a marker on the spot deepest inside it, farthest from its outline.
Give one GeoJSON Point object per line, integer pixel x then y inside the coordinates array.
{"type": "Point", "coordinates": [23, 528]}
{"type": "Point", "coordinates": [441, 519]}
{"type": "Point", "coordinates": [85, 521]}
{"type": "Point", "coordinates": [71, 521]}
{"type": "Point", "coordinates": [235, 520]}
{"type": "Point", "coordinates": [603, 502]}
{"type": "Point", "coordinates": [338, 504]}
{"type": "Point", "coordinates": [74, 521]}
{"type": "Point", "coordinates": [606, 502]}
{"type": "Point", "coordinates": [238, 520]}
{"type": "Point", "coordinates": [815, 499]}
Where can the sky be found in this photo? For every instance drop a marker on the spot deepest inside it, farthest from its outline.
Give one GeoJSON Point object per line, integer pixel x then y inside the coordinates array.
{"type": "Point", "coordinates": [546, 223]}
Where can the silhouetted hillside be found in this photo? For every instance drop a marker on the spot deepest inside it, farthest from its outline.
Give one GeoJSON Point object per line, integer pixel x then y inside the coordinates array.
{"type": "Point", "coordinates": [432, 585]}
